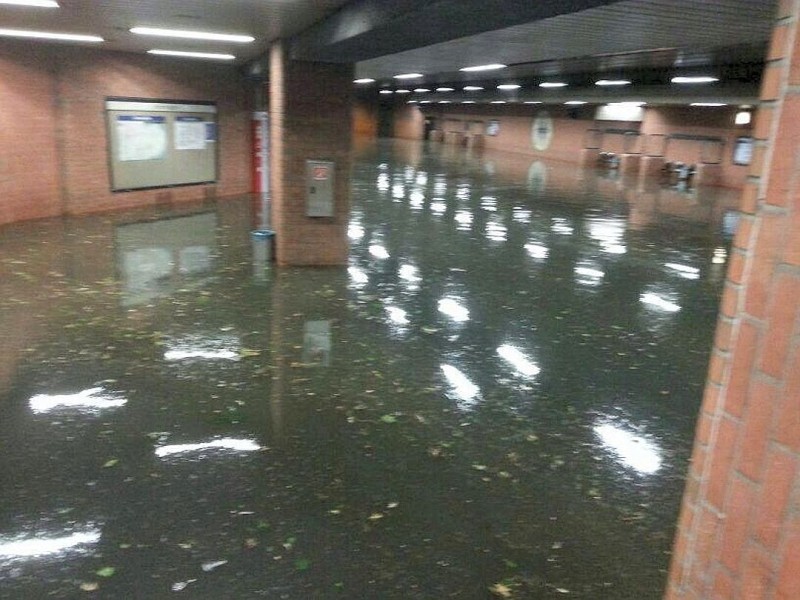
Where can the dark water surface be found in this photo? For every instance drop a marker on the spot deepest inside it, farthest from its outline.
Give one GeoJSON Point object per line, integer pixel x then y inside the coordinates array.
{"type": "Point", "coordinates": [496, 399]}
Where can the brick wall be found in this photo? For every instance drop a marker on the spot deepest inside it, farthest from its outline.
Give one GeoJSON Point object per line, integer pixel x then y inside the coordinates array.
{"type": "Point", "coordinates": [310, 118]}
{"type": "Point", "coordinates": [739, 529]}
{"type": "Point", "coordinates": [53, 116]}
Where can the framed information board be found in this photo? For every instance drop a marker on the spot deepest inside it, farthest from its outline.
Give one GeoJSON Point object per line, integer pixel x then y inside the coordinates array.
{"type": "Point", "coordinates": [154, 144]}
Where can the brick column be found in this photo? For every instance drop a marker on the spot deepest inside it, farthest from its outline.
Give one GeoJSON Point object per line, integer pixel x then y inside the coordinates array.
{"type": "Point", "coordinates": [739, 529]}
{"type": "Point", "coordinates": [310, 119]}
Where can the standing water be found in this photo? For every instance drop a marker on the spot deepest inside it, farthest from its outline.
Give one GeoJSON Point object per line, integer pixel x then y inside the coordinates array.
{"type": "Point", "coordinates": [495, 398]}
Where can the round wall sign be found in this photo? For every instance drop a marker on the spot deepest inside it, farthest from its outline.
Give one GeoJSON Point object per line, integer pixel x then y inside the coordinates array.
{"type": "Point", "coordinates": [542, 132]}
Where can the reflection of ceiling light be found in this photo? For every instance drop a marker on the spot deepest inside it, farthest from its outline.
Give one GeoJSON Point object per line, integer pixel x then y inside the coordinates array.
{"type": "Point", "coordinates": [364, 80]}
{"type": "Point", "coordinates": [453, 310]}
{"type": "Point", "coordinates": [472, 88]}
{"type": "Point", "coordinates": [193, 35]}
{"type": "Point", "coordinates": [537, 250]}
{"type": "Point", "coordinates": [94, 398]}
{"type": "Point", "coordinates": [588, 272]}
{"type": "Point", "coordinates": [357, 275]}
{"type": "Point", "coordinates": [200, 353]}
{"type": "Point", "coordinates": [209, 55]}
{"type": "Point", "coordinates": [33, 3]}
{"type": "Point", "coordinates": [49, 35]}
{"type": "Point", "coordinates": [552, 84]}
{"type": "Point", "coordinates": [463, 388]}
{"type": "Point", "coordinates": [518, 360]}
{"type": "Point", "coordinates": [43, 546]}
{"type": "Point", "coordinates": [574, 102]}
{"type": "Point", "coordinates": [658, 302]}
{"type": "Point", "coordinates": [492, 67]}
{"type": "Point", "coordinates": [633, 450]}
{"type": "Point", "coordinates": [397, 315]}
{"type": "Point", "coordinates": [694, 79]}
{"type": "Point", "coordinates": [684, 270]}
{"type": "Point", "coordinates": [720, 256]}
{"type": "Point", "coordinates": [743, 118]}
{"type": "Point", "coordinates": [237, 445]}
{"type": "Point", "coordinates": [355, 231]}
{"type": "Point", "coordinates": [378, 251]}
{"type": "Point", "coordinates": [509, 86]}
{"type": "Point", "coordinates": [408, 76]}
{"type": "Point", "coordinates": [386, 92]}
{"type": "Point", "coordinates": [612, 82]}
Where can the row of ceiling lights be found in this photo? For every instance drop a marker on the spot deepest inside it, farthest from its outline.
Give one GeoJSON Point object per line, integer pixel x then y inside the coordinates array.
{"type": "Point", "coordinates": [152, 31]}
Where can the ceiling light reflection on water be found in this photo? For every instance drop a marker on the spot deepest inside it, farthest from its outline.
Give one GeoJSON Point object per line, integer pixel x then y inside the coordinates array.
{"type": "Point", "coordinates": [634, 451]}
{"type": "Point", "coordinates": [378, 251]}
{"type": "Point", "coordinates": [91, 400]}
{"type": "Point", "coordinates": [454, 310]}
{"type": "Point", "coordinates": [537, 250]}
{"type": "Point", "coordinates": [658, 302]}
{"type": "Point", "coordinates": [461, 388]}
{"type": "Point", "coordinates": [222, 444]}
{"type": "Point", "coordinates": [521, 363]}
{"type": "Point", "coordinates": [685, 271]}
{"type": "Point", "coordinates": [33, 547]}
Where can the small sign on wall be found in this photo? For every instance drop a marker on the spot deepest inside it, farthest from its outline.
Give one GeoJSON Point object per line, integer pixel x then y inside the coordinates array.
{"type": "Point", "coordinates": [542, 132]}
{"type": "Point", "coordinates": [320, 184]}
{"type": "Point", "coordinates": [493, 127]}
{"type": "Point", "coordinates": [743, 151]}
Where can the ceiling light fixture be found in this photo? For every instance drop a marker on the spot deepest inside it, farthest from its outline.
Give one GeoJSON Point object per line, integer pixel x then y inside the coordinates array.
{"type": "Point", "coordinates": [408, 76]}
{"type": "Point", "coordinates": [575, 102]}
{"type": "Point", "coordinates": [193, 35]}
{"type": "Point", "coordinates": [424, 101]}
{"type": "Point", "coordinates": [509, 86]}
{"type": "Point", "coordinates": [498, 102]}
{"type": "Point", "coordinates": [533, 102]}
{"type": "Point", "coordinates": [473, 102]}
{"type": "Point", "coordinates": [364, 80]}
{"type": "Point", "coordinates": [743, 118]}
{"type": "Point", "coordinates": [421, 90]}
{"type": "Point", "coordinates": [472, 88]}
{"type": "Point", "coordinates": [708, 104]}
{"type": "Point", "coordinates": [703, 79]}
{"type": "Point", "coordinates": [444, 89]}
{"type": "Point", "coordinates": [552, 84]}
{"type": "Point", "coordinates": [49, 35]}
{"type": "Point", "coordinates": [612, 82]}
{"type": "Point", "coordinates": [402, 91]}
{"type": "Point", "coordinates": [445, 102]}
{"type": "Point", "coordinates": [32, 3]}
{"type": "Point", "coordinates": [208, 55]}
{"type": "Point", "coordinates": [386, 92]}
{"type": "Point", "coordinates": [475, 69]}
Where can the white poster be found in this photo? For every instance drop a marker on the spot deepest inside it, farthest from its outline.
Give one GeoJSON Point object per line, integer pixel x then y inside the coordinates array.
{"type": "Point", "coordinates": [141, 138]}
{"type": "Point", "coordinates": [190, 133]}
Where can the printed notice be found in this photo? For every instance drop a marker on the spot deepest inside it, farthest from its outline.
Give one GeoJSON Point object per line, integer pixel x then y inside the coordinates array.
{"type": "Point", "coordinates": [141, 137]}
{"type": "Point", "coordinates": [190, 133]}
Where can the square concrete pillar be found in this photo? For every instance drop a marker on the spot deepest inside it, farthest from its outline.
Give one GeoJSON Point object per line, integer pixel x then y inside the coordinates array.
{"type": "Point", "coordinates": [650, 168]}
{"type": "Point", "coordinates": [707, 175]}
{"type": "Point", "coordinates": [629, 164]}
{"type": "Point", "coordinates": [589, 157]}
{"type": "Point", "coordinates": [310, 119]}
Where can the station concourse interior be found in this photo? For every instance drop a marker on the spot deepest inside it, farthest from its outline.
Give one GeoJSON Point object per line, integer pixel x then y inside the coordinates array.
{"type": "Point", "coordinates": [361, 199]}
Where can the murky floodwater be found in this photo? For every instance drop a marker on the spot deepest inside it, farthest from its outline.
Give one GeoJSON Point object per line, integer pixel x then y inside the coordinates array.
{"type": "Point", "coordinates": [495, 399]}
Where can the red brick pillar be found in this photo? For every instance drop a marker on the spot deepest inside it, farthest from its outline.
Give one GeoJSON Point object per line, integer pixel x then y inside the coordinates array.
{"type": "Point", "coordinates": [310, 119]}
{"type": "Point", "coordinates": [739, 529]}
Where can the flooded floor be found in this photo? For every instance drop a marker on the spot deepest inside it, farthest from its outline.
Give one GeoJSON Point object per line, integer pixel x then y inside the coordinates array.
{"type": "Point", "coordinates": [495, 399]}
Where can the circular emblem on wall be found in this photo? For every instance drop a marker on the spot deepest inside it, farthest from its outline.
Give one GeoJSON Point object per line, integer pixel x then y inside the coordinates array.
{"type": "Point", "coordinates": [542, 132]}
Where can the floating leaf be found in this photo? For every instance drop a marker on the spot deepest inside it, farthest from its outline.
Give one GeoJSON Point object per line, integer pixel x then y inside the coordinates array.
{"type": "Point", "coordinates": [90, 586]}
{"type": "Point", "coordinates": [302, 564]}
{"type": "Point", "coordinates": [111, 463]}
{"type": "Point", "coordinates": [500, 589]}
{"type": "Point", "coordinates": [389, 419]}
{"type": "Point", "coordinates": [376, 516]}
{"type": "Point", "coordinates": [248, 352]}
{"type": "Point", "coordinates": [210, 566]}
{"type": "Point", "coordinates": [106, 572]}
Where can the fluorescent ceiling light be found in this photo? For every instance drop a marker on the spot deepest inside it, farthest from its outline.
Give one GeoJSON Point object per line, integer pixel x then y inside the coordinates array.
{"type": "Point", "coordinates": [413, 102]}
{"type": "Point", "coordinates": [236, 445]}
{"type": "Point", "coordinates": [421, 90]}
{"type": "Point", "coordinates": [444, 89]}
{"type": "Point", "coordinates": [612, 82]}
{"type": "Point", "coordinates": [402, 91]}
{"type": "Point", "coordinates": [424, 101]}
{"type": "Point", "coordinates": [364, 80]}
{"type": "Point", "coordinates": [694, 79]}
{"type": "Point", "coordinates": [445, 102]}
{"type": "Point", "coordinates": [627, 104]}
{"type": "Point", "coordinates": [533, 102]}
{"type": "Point", "coordinates": [193, 35]}
{"type": "Point", "coordinates": [408, 76]}
{"type": "Point", "coordinates": [708, 104]}
{"type": "Point", "coordinates": [468, 102]}
{"type": "Point", "coordinates": [209, 55]}
{"type": "Point", "coordinates": [492, 67]}
{"type": "Point", "coordinates": [386, 92]}
{"type": "Point", "coordinates": [498, 102]}
{"type": "Point", "coordinates": [574, 102]}
{"type": "Point", "coordinates": [552, 84]}
{"type": "Point", "coordinates": [36, 3]}
{"type": "Point", "coordinates": [509, 86]}
{"type": "Point", "coordinates": [48, 35]}
{"type": "Point", "coordinates": [472, 88]}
